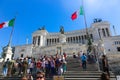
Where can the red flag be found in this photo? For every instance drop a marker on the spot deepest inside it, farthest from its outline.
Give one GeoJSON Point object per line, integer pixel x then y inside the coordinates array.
{"type": "Point", "coordinates": [74, 16]}
{"type": "Point", "coordinates": [1, 25]}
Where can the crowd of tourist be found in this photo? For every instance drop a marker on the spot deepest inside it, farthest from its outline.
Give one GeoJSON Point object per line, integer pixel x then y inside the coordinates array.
{"type": "Point", "coordinates": [46, 66]}
{"type": "Point", "coordinates": [50, 65]}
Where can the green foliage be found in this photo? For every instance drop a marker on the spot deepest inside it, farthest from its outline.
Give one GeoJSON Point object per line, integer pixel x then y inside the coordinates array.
{"type": "Point", "coordinates": [89, 44]}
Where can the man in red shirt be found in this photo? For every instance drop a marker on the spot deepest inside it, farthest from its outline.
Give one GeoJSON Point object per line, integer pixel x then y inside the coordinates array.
{"type": "Point", "coordinates": [38, 65]}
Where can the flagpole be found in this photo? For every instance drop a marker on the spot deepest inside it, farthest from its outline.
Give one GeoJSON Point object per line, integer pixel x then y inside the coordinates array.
{"type": "Point", "coordinates": [10, 39]}
{"type": "Point", "coordinates": [9, 43]}
{"type": "Point", "coordinates": [89, 43]}
{"type": "Point", "coordinates": [85, 20]}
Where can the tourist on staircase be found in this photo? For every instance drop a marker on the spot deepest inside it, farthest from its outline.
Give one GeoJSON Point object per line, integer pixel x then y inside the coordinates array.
{"type": "Point", "coordinates": [60, 67]}
{"type": "Point", "coordinates": [52, 66]}
{"type": "Point", "coordinates": [43, 65]}
{"type": "Point", "coordinates": [47, 67]}
{"type": "Point", "coordinates": [64, 65]}
{"type": "Point", "coordinates": [105, 65]}
{"type": "Point", "coordinates": [31, 66]}
{"type": "Point", "coordinates": [5, 68]}
{"type": "Point", "coordinates": [10, 66]}
{"type": "Point", "coordinates": [25, 66]}
{"type": "Point", "coordinates": [74, 55]}
{"type": "Point", "coordinates": [57, 62]}
{"type": "Point", "coordinates": [84, 60]}
{"type": "Point", "coordinates": [20, 68]}
{"type": "Point", "coordinates": [104, 76]}
{"type": "Point", "coordinates": [38, 65]}
{"type": "Point", "coordinates": [65, 55]}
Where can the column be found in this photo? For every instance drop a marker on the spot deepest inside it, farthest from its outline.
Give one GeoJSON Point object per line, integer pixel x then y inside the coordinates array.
{"type": "Point", "coordinates": [47, 42]}
{"type": "Point", "coordinates": [79, 39]}
{"type": "Point", "coordinates": [41, 40]}
{"type": "Point", "coordinates": [36, 40]}
{"type": "Point", "coordinates": [71, 39]}
{"type": "Point", "coordinates": [108, 34]}
{"type": "Point", "coordinates": [58, 40]}
{"type": "Point", "coordinates": [55, 41]}
{"type": "Point", "coordinates": [105, 33]}
{"type": "Point", "coordinates": [76, 39]}
{"type": "Point", "coordinates": [68, 39]}
{"type": "Point", "coordinates": [82, 40]}
{"type": "Point", "coordinates": [50, 41]}
{"type": "Point", "coordinates": [101, 34]}
{"type": "Point", "coordinates": [33, 42]}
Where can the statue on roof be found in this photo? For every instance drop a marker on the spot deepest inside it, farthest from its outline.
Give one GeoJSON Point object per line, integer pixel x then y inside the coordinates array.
{"type": "Point", "coordinates": [42, 28]}
{"type": "Point", "coordinates": [62, 30]}
{"type": "Point", "coordinates": [97, 20]}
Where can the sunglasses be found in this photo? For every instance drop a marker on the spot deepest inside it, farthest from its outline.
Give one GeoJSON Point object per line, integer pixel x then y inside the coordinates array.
{"type": "Point", "coordinates": [39, 77]}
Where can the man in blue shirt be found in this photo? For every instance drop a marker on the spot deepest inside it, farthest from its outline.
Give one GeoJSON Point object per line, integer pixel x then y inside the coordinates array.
{"type": "Point", "coordinates": [84, 60]}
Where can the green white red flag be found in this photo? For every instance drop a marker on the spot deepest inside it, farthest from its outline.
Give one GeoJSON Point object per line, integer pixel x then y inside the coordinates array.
{"type": "Point", "coordinates": [77, 13]}
{"type": "Point", "coordinates": [7, 23]}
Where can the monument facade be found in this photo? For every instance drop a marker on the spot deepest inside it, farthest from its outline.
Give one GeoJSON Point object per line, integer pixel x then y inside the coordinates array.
{"type": "Point", "coordinates": [44, 42]}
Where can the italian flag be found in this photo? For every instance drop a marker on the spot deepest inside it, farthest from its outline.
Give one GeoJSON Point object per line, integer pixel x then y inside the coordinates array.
{"type": "Point", "coordinates": [77, 13]}
{"type": "Point", "coordinates": [7, 24]}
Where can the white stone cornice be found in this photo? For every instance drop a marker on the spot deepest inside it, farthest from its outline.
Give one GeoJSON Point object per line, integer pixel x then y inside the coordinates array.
{"type": "Point", "coordinates": [103, 23]}
{"type": "Point", "coordinates": [40, 32]}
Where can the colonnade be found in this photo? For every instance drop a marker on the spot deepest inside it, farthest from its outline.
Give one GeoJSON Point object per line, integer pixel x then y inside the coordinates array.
{"type": "Point", "coordinates": [73, 39]}
{"type": "Point", "coordinates": [104, 32]}
{"type": "Point", "coordinates": [38, 40]}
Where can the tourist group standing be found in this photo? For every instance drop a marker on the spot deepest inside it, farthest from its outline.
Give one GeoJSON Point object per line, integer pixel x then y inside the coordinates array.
{"type": "Point", "coordinates": [50, 65]}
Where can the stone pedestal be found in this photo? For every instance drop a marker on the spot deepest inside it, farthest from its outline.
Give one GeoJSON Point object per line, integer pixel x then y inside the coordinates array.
{"type": "Point", "coordinates": [62, 38]}
{"type": "Point", "coordinates": [8, 52]}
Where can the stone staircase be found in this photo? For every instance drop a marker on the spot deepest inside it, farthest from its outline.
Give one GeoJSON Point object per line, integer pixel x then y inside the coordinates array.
{"type": "Point", "coordinates": [75, 71]}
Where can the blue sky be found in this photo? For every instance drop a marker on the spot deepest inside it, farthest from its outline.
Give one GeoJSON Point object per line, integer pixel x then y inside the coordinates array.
{"type": "Point", "coordinates": [32, 14]}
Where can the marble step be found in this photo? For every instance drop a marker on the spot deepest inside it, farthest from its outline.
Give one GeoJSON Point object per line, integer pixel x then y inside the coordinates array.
{"type": "Point", "coordinates": [86, 78]}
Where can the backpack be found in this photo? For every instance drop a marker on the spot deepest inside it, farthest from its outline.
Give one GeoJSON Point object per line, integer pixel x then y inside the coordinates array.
{"type": "Point", "coordinates": [83, 58]}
